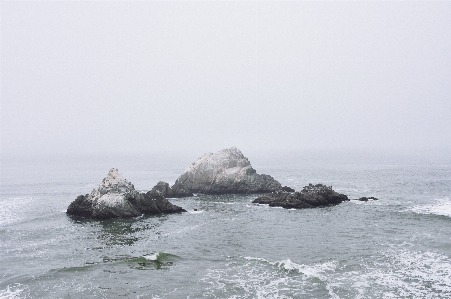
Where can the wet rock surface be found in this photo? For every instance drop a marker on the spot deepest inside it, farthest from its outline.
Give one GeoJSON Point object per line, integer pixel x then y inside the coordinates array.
{"type": "Point", "coordinates": [287, 189]}
{"type": "Point", "coordinates": [366, 198]}
{"type": "Point", "coordinates": [163, 189]}
{"type": "Point", "coordinates": [116, 197]}
{"type": "Point", "coordinates": [311, 196]}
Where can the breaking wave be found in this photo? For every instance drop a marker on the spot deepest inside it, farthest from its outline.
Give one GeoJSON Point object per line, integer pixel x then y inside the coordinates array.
{"type": "Point", "coordinates": [393, 274]}
{"type": "Point", "coordinates": [396, 274]}
{"type": "Point", "coordinates": [441, 207]}
{"type": "Point", "coordinates": [158, 256]}
{"type": "Point", "coordinates": [251, 277]}
{"type": "Point", "coordinates": [14, 291]}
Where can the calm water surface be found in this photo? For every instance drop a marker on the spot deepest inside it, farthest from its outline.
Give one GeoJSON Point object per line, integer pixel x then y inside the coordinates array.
{"type": "Point", "coordinates": [397, 247]}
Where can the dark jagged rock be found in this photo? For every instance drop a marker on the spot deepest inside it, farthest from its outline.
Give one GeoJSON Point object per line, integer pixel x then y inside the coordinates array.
{"type": "Point", "coordinates": [81, 206]}
{"type": "Point", "coordinates": [163, 189]}
{"type": "Point", "coordinates": [180, 191]}
{"type": "Point", "coordinates": [225, 172]}
{"type": "Point", "coordinates": [367, 198]}
{"type": "Point", "coordinates": [287, 189]}
{"type": "Point", "coordinates": [117, 197]}
{"type": "Point", "coordinates": [311, 196]}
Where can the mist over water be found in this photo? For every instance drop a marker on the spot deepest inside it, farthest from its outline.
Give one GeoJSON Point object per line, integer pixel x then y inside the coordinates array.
{"type": "Point", "coordinates": [144, 76]}
{"type": "Point", "coordinates": [355, 95]}
{"type": "Point", "coordinates": [229, 248]}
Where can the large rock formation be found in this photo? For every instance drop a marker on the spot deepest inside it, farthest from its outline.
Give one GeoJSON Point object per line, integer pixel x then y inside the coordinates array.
{"type": "Point", "coordinates": [117, 197]}
{"type": "Point", "coordinates": [311, 196]}
{"type": "Point", "coordinates": [225, 172]}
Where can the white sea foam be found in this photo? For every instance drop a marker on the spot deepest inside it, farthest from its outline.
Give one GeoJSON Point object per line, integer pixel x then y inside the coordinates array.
{"type": "Point", "coordinates": [397, 274]}
{"type": "Point", "coordinates": [196, 212]}
{"type": "Point", "coordinates": [316, 270]}
{"type": "Point", "coordinates": [14, 291]}
{"type": "Point", "coordinates": [309, 271]}
{"type": "Point", "coordinates": [152, 256]}
{"type": "Point", "coordinates": [440, 207]}
{"type": "Point", "coordinates": [254, 277]}
{"type": "Point", "coordinates": [392, 274]}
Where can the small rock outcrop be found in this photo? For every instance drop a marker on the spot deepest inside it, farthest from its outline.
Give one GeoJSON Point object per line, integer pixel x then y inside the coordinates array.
{"type": "Point", "coordinates": [366, 198]}
{"type": "Point", "coordinates": [116, 197]}
{"type": "Point", "coordinates": [287, 189]}
{"type": "Point", "coordinates": [311, 196]}
{"type": "Point", "coordinates": [225, 172]}
{"type": "Point", "coordinates": [163, 189]}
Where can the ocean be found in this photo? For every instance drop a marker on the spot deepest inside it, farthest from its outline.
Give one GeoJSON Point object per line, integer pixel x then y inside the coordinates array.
{"type": "Point", "coordinates": [225, 246]}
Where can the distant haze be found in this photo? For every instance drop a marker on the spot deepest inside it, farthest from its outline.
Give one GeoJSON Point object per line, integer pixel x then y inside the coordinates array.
{"type": "Point", "coordinates": [125, 77]}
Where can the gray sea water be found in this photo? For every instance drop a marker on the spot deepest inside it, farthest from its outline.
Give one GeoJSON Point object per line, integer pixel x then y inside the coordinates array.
{"type": "Point", "coordinates": [397, 247]}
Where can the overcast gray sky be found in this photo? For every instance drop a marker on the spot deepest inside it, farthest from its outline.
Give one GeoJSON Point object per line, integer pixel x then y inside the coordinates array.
{"type": "Point", "coordinates": [142, 76]}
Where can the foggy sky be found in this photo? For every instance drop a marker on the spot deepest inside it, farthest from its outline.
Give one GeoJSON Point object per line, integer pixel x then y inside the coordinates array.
{"type": "Point", "coordinates": [95, 77]}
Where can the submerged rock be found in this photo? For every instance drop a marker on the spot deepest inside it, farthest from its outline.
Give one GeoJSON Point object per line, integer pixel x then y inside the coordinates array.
{"type": "Point", "coordinates": [311, 196]}
{"type": "Point", "coordinates": [116, 197]}
{"type": "Point", "coordinates": [225, 172]}
{"type": "Point", "coordinates": [366, 198]}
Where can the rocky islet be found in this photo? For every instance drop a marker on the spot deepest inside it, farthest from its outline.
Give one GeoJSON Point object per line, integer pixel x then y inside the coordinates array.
{"type": "Point", "coordinates": [225, 172]}
{"type": "Point", "coordinates": [311, 196]}
{"type": "Point", "coordinates": [116, 197]}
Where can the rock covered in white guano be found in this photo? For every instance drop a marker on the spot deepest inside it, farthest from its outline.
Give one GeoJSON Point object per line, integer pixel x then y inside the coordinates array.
{"type": "Point", "coordinates": [117, 197]}
{"type": "Point", "coordinates": [225, 172]}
